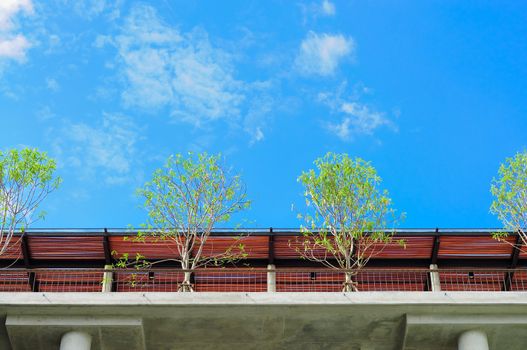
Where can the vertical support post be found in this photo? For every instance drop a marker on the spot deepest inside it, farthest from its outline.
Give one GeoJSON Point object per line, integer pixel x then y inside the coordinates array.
{"type": "Point", "coordinates": [75, 341]}
{"type": "Point", "coordinates": [435, 282]}
{"type": "Point", "coordinates": [106, 247]}
{"type": "Point", "coordinates": [473, 340]}
{"type": "Point", "coordinates": [107, 279]}
{"type": "Point", "coordinates": [32, 280]}
{"type": "Point", "coordinates": [515, 257]}
{"type": "Point", "coordinates": [271, 278]}
{"type": "Point", "coordinates": [271, 246]}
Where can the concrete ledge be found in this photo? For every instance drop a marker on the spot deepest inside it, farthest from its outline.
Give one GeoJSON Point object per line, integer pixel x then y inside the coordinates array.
{"type": "Point", "coordinates": [37, 332]}
{"type": "Point", "coordinates": [69, 321]}
{"type": "Point", "coordinates": [435, 320]}
{"type": "Point", "coordinates": [427, 331]}
{"type": "Point", "coordinates": [196, 299]}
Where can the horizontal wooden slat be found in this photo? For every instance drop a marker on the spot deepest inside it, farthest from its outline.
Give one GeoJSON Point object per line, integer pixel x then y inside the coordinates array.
{"type": "Point", "coordinates": [475, 247]}
{"type": "Point", "coordinates": [61, 248]}
{"type": "Point", "coordinates": [404, 247]}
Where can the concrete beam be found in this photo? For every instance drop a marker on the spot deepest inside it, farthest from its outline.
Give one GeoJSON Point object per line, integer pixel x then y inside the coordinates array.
{"type": "Point", "coordinates": [467, 332]}
{"type": "Point", "coordinates": [37, 332]}
{"type": "Point", "coordinates": [296, 321]}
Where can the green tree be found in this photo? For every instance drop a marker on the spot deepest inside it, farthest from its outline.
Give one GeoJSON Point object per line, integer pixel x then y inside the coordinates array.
{"type": "Point", "coordinates": [509, 190]}
{"type": "Point", "coordinates": [185, 200]}
{"type": "Point", "coordinates": [347, 215]}
{"type": "Point", "coordinates": [26, 179]}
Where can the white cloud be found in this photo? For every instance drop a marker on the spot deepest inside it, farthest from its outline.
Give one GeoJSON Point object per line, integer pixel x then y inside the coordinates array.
{"type": "Point", "coordinates": [258, 135]}
{"type": "Point", "coordinates": [314, 10]}
{"type": "Point", "coordinates": [356, 118]}
{"type": "Point", "coordinates": [107, 150]}
{"type": "Point", "coordinates": [342, 129]}
{"type": "Point", "coordinates": [13, 45]}
{"type": "Point", "coordinates": [328, 8]}
{"type": "Point", "coordinates": [90, 9]}
{"type": "Point", "coordinates": [164, 68]}
{"type": "Point", "coordinates": [9, 9]}
{"type": "Point", "coordinates": [321, 54]}
{"type": "Point", "coordinates": [359, 119]}
{"type": "Point", "coordinates": [52, 84]}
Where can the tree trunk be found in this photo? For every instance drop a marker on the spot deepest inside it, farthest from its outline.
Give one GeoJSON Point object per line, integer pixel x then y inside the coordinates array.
{"type": "Point", "coordinates": [349, 285]}
{"type": "Point", "coordinates": [186, 286]}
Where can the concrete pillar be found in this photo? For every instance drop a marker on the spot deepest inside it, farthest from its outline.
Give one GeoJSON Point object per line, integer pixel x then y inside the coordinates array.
{"type": "Point", "coordinates": [271, 278]}
{"type": "Point", "coordinates": [434, 278]}
{"type": "Point", "coordinates": [473, 340]}
{"type": "Point", "coordinates": [75, 341]}
{"type": "Point", "coordinates": [107, 279]}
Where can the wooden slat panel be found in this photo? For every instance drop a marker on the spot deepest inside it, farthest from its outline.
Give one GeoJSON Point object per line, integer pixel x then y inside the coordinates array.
{"type": "Point", "coordinates": [66, 247]}
{"type": "Point", "coordinates": [414, 247]}
{"type": "Point", "coordinates": [15, 287]}
{"type": "Point", "coordinates": [285, 247]}
{"type": "Point", "coordinates": [230, 287]}
{"type": "Point", "coordinates": [14, 281]}
{"type": "Point", "coordinates": [471, 280]}
{"type": "Point", "coordinates": [256, 247]}
{"type": "Point", "coordinates": [14, 250]}
{"type": "Point", "coordinates": [400, 287]}
{"type": "Point", "coordinates": [69, 276]}
{"type": "Point", "coordinates": [314, 287]}
{"type": "Point", "coordinates": [151, 248]}
{"type": "Point", "coordinates": [519, 280]}
{"type": "Point", "coordinates": [155, 248]}
{"type": "Point", "coordinates": [475, 247]}
{"type": "Point", "coordinates": [65, 288]}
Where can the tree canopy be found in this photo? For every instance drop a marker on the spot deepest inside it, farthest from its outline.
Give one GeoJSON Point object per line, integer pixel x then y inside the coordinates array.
{"type": "Point", "coordinates": [347, 214]}
{"type": "Point", "coordinates": [509, 190]}
{"type": "Point", "coordinates": [185, 201]}
{"type": "Point", "coordinates": [27, 176]}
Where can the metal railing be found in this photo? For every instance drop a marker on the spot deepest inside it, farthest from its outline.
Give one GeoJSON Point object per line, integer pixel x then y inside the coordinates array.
{"type": "Point", "coordinates": [262, 280]}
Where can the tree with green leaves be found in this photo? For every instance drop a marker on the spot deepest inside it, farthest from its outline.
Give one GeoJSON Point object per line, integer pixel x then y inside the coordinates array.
{"type": "Point", "coordinates": [347, 215]}
{"type": "Point", "coordinates": [185, 200]}
{"type": "Point", "coordinates": [510, 196]}
{"type": "Point", "coordinates": [26, 179]}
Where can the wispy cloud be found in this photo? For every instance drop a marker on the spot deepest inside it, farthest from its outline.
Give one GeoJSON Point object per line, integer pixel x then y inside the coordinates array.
{"type": "Point", "coordinates": [358, 119]}
{"type": "Point", "coordinates": [108, 150]}
{"type": "Point", "coordinates": [314, 10]}
{"type": "Point", "coordinates": [13, 45]}
{"type": "Point", "coordinates": [164, 67]}
{"type": "Point", "coordinates": [328, 8]}
{"type": "Point", "coordinates": [52, 84]}
{"type": "Point", "coordinates": [354, 117]}
{"type": "Point", "coordinates": [321, 54]}
{"type": "Point", "coordinates": [90, 9]}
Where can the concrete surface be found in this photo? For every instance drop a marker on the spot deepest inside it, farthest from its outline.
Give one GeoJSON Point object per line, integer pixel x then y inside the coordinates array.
{"type": "Point", "coordinates": [379, 320]}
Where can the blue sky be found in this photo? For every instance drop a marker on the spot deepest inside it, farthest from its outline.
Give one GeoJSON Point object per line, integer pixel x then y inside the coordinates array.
{"type": "Point", "coordinates": [433, 93]}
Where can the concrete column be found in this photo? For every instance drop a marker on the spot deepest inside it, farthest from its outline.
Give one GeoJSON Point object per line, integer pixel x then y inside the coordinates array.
{"type": "Point", "coordinates": [473, 340]}
{"type": "Point", "coordinates": [75, 341]}
{"type": "Point", "coordinates": [271, 278]}
{"type": "Point", "coordinates": [434, 279]}
{"type": "Point", "coordinates": [107, 279]}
